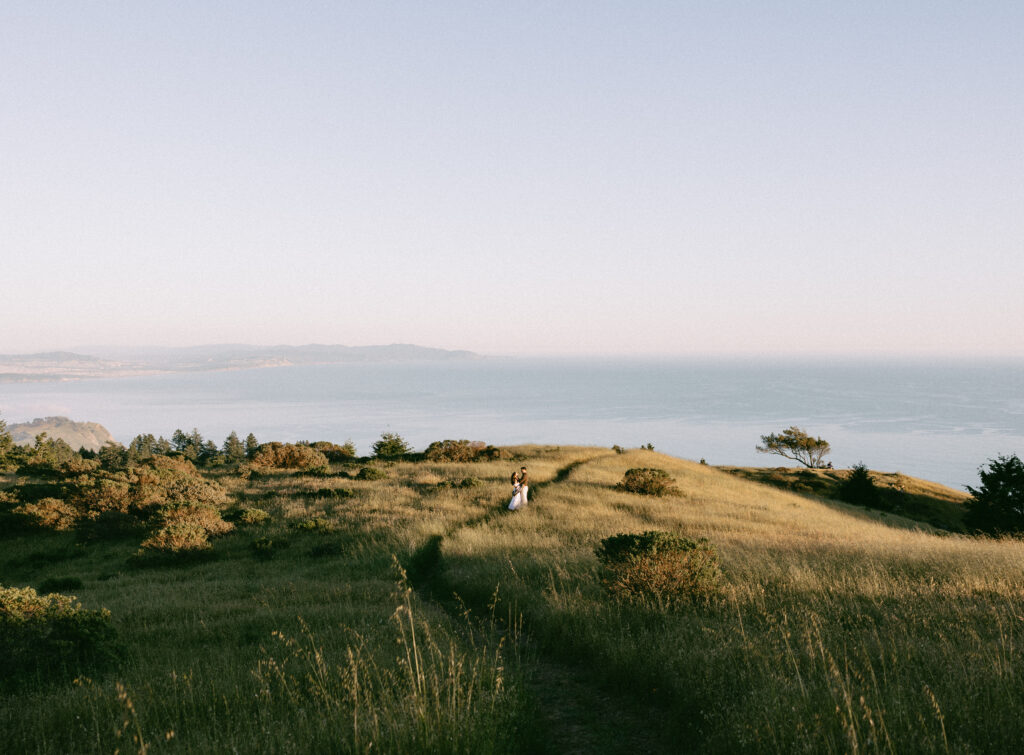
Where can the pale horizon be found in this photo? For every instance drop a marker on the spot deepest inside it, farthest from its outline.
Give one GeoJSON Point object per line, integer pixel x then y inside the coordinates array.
{"type": "Point", "coordinates": [649, 180]}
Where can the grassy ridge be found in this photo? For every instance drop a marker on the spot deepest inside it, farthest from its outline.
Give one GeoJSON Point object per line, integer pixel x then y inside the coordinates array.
{"type": "Point", "coordinates": [837, 630]}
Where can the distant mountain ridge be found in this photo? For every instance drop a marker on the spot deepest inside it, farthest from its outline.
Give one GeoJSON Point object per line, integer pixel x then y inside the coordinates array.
{"type": "Point", "coordinates": [78, 435]}
{"type": "Point", "coordinates": [121, 362]}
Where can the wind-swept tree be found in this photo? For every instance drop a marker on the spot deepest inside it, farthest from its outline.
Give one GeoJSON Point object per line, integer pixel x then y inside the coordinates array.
{"type": "Point", "coordinates": [793, 443]}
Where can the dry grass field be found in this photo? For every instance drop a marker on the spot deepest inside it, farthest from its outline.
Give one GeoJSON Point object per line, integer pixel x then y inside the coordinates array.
{"type": "Point", "coordinates": [835, 629]}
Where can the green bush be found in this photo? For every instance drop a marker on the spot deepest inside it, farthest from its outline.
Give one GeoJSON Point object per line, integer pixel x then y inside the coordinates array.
{"type": "Point", "coordinates": [250, 516]}
{"type": "Point", "coordinates": [371, 473]}
{"type": "Point", "coordinates": [332, 493]}
{"type": "Point", "coordinates": [859, 489]}
{"type": "Point", "coordinates": [391, 445]}
{"type": "Point", "coordinates": [314, 524]}
{"type": "Point", "coordinates": [659, 567]}
{"type": "Point", "coordinates": [265, 548]}
{"type": "Point", "coordinates": [647, 481]}
{"type": "Point", "coordinates": [49, 635]}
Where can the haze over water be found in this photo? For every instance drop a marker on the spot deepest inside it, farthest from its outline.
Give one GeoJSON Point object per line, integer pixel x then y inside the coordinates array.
{"type": "Point", "coordinates": [937, 420]}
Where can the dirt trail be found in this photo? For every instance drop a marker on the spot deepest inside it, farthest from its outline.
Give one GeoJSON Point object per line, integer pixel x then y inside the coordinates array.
{"type": "Point", "coordinates": [575, 714]}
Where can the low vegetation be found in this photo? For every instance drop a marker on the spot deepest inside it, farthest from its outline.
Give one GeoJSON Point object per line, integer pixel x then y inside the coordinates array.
{"type": "Point", "coordinates": [646, 481]}
{"type": "Point", "coordinates": [659, 568]}
{"type": "Point", "coordinates": [414, 614]}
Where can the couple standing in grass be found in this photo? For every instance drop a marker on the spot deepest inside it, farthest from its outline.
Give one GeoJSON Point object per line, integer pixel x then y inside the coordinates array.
{"type": "Point", "coordinates": [520, 489]}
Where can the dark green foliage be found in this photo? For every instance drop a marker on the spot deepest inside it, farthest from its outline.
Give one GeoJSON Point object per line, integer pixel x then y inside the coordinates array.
{"type": "Point", "coordinates": [391, 445]}
{"type": "Point", "coordinates": [371, 473]}
{"type": "Point", "coordinates": [53, 459]}
{"type": "Point", "coordinates": [660, 567]}
{"type": "Point", "coordinates": [646, 481]}
{"type": "Point", "coordinates": [265, 548]}
{"type": "Point", "coordinates": [59, 584]}
{"type": "Point", "coordinates": [335, 493]}
{"type": "Point", "coordinates": [793, 443]}
{"type": "Point", "coordinates": [247, 516]}
{"type": "Point", "coordinates": [997, 506]}
{"type": "Point", "coordinates": [465, 482]}
{"type": "Point", "coordinates": [233, 449]}
{"type": "Point", "coordinates": [859, 489]}
{"type": "Point", "coordinates": [49, 635]}
{"type": "Point", "coordinates": [114, 457]}
{"type": "Point", "coordinates": [618, 449]}
{"type": "Point", "coordinates": [326, 549]}
{"type": "Point", "coordinates": [251, 445]}
{"type": "Point", "coordinates": [314, 524]}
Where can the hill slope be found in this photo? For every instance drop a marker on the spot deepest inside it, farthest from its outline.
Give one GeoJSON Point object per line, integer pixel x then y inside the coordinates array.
{"type": "Point", "coordinates": [836, 630]}
{"type": "Point", "coordinates": [90, 435]}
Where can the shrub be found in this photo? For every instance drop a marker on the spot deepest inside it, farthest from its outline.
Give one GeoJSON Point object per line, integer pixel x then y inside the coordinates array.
{"type": "Point", "coordinates": [493, 453]}
{"type": "Point", "coordinates": [186, 529]}
{"type": "Point", "coordinates": [49, 634]}
{"type": "Point", "coordinates": [391, 444]}
{"type": "Point", "coordinates": [332, 493]}
{"type": "Point", "coordinates": [371, 473]}
{"type": "Point", "coordinates": [333, 451]}
{"type": "Point", "coordinates": [50, 513]}
{"type": "Point", "coordinates": [179, 536]}
{"type": "Point", "coordinates": [647, 481]}
{"type": "Point", "coordinates": [314, 524]}
{"type": "Point", "coordinates": [659, 566]}
{"type": "Point", "coordinates": [859, 489]}
{"type": "Point", "coordinates": [454, 450]}
{"type": "Point", "coordinates": [59, 584]}
{"type": "Point", "coordinates": [288, 456]}
{"type": "Point", "coordinates": [251, 516]}
{"type": "Point", "coordinates": [265, 548]}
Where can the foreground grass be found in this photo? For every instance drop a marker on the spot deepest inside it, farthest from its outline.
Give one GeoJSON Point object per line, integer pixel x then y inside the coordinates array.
{"type": "Point", "coordinates": [837, 630]}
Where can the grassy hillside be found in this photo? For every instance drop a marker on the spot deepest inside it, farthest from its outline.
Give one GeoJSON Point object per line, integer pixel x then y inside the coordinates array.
{"type": "Point", "coordinates": [911, 497]}
{"type": "Point", "coordinates": [836, 630]}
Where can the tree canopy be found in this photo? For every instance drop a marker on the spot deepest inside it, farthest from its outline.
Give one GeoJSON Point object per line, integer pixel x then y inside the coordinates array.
{"type": "Point", "coordinates": [997, 506]}
{"type": "Point", "coordinates": [793, 443]}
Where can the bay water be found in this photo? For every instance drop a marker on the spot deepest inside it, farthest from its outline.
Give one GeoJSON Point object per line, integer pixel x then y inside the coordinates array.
{"type": "Point", "coordinates": [939, 420]}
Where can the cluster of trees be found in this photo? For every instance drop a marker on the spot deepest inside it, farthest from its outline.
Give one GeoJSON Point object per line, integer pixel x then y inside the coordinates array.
{"type": "Point", "coordinates": [194, 447]}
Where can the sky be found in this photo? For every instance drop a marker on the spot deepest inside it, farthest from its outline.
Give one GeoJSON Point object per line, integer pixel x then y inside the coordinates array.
{"type": "Point", "coordinates": [526, 178]}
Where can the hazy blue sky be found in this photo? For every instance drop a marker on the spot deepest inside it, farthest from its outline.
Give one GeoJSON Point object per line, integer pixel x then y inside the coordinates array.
{"type": "Point", "coordinates": [546, 177]}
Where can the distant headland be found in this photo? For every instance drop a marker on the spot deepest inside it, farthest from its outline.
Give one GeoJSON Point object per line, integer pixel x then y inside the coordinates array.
{"type": "Point", "coordinates": [106, 362]}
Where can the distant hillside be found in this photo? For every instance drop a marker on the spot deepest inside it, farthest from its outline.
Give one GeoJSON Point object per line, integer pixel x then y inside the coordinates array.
{"type": "Point", "coordinates": [76, 434]}
{"type": "Point", "coordinates": [109, 362]}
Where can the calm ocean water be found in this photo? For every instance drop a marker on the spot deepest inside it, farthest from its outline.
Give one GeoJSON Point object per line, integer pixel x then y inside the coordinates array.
{"type": "Point", "coordinates": [938, 420]}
